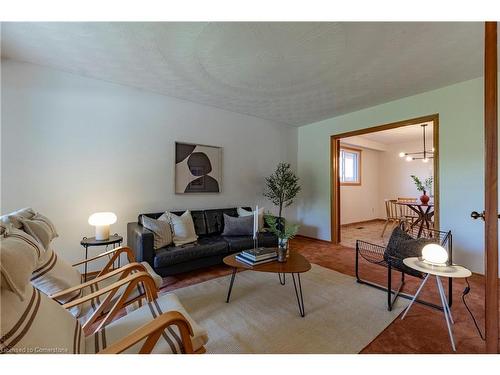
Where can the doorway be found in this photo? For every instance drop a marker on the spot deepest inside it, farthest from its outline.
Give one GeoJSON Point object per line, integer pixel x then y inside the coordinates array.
{"type": "Point", "coordinates": [345, 156]}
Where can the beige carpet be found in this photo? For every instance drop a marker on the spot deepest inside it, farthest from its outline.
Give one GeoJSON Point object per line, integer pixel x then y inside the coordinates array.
{"type": "Point", "coordinates": [262, 316]}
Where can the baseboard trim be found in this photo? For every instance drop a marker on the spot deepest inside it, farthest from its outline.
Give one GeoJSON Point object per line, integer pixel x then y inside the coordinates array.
{"type": "Point", "coordinates": [363, 222]}
{"type": "Point", "coordinates": [312, 238]}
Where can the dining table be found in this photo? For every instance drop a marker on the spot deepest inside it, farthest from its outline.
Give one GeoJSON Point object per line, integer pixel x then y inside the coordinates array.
{"type": "Point", "coordinates": [424, 212]}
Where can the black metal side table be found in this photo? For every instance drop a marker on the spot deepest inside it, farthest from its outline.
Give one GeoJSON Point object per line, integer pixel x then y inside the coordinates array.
{"type": "Point", "coordinates": [114, 240]}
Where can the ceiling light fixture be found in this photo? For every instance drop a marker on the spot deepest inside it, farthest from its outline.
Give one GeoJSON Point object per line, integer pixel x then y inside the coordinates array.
{"type": "Point", "coordinates": [421, 155]}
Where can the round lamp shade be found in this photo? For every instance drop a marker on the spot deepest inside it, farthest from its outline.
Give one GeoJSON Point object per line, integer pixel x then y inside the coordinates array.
{"type": "Point", "coordinates": [435, 254]}
{"type": "Point", "coordinates": [102, 221]}
{"type": "Point", "coordinates": [102, 218]}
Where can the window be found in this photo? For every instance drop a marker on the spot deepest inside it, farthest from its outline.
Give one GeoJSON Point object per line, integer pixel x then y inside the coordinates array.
{"type": "Point", "coordinates": [350, 166]}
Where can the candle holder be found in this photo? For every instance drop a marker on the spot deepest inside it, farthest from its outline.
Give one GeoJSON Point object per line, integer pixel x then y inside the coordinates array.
{"type": "Point", "coordinates": [255, 241]}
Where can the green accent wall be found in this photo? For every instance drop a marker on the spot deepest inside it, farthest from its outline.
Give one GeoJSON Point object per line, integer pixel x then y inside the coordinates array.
{"type": "Point", "coordinates": [460, 109]}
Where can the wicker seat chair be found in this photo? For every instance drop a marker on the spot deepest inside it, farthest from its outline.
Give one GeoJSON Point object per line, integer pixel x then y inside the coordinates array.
{"type": "Point", "coordinates": [376, 254]}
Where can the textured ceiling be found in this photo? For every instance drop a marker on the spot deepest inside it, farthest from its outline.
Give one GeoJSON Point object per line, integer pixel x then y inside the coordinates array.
{"type": "Point", "coordinates": [403, 134]}
{"type": "Point", "coordinates": [294, 73]}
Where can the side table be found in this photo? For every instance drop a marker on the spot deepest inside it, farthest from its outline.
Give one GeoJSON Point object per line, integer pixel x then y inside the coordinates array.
{"type": "Point", "coordinates": [114, 240]}
{"type": "Point", "coordinates": [453, 271]}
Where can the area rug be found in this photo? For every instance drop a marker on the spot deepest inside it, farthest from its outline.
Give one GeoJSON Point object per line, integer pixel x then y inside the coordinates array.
{"type": "Point", "coordinates": [342, 316]}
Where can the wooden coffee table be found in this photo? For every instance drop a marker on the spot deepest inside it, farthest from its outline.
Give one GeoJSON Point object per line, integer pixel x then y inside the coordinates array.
{"type": "Point", "coordinates": [295, 265]}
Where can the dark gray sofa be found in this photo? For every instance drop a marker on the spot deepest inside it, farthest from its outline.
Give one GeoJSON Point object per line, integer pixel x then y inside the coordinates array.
{"type": "Point", "coordinates": [209, 250]}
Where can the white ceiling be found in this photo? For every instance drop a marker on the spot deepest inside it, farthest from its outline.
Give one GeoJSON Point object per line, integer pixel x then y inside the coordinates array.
{"type": "Point", "coordinates": [294, 73]}
{"type": "Point", "coordinates": [403, 134]}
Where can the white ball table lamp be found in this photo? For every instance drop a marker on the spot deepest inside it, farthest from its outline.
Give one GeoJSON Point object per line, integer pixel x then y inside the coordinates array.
{"type": "Point", "coordinates": [102, 221]}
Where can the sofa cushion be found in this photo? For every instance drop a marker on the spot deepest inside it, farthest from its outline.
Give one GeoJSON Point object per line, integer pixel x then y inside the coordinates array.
{"type": "Point", "coordinates": [244, 212]}
{"type": "Point", "coordinates": [161, 229]}
{"type": "Point", "coordinates": [203, 247]}
{"type": "Point", "coordinates": [198, 220]}
{"type": "Point", "coordinates": [238, 226]}
{"type": "Point", "coordinates": [215, 220]}
{"type": "Point", "coordinates": [239, 243]}
{"type": "Point", "coordinates": [197, 215]}
{"type": "Point", "coordinates": [182, 226]}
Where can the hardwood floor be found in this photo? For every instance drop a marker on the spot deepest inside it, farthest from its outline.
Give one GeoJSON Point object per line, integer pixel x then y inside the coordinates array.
{"type": "Point", "coordinates": [424, 328]}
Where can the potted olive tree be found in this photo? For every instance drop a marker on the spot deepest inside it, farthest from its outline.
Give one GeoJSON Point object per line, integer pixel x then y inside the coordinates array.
{"type": "Point", "coordinates": [282, 188]}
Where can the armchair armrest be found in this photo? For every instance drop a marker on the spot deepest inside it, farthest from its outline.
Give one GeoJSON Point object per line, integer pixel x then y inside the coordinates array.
{"type": "Point", "coordinates": [373, 253]}
{"type": "Point", "coordinates": [141, 240]}
{"type": "Point", "coordinates": [152, 332]}
{"type": "Point", "coordinates": [124, 271]}
{"type": "Point", "coordinates": [127, 284]}
{"type": "Point", "coordinates": [113, 254]}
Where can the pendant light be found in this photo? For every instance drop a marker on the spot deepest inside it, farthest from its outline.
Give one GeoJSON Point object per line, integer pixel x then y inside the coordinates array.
{"type": "Point", "coordinates": [424, 155]}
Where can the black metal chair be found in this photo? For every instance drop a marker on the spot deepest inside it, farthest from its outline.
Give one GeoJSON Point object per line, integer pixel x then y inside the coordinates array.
{"type": "Point", "coordinates": [376, 254]}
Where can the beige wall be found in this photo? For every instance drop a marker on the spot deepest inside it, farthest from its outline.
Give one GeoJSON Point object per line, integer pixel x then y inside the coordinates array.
{"type": "Point", "coordinates": [384, 176]}
{"type": "Point", "coordinates": [360, 203]}
{"type": "Point", "coordinates": [72, 146]}
{"type": "Point", "coordinates": [461, 165]}
{"type": "Point", "coordinates": [395, 180]}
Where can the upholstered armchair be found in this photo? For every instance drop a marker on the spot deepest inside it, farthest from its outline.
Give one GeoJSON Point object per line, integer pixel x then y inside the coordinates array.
{"type": "Point", "coordinates": [31, 322]}
{"type": "Point", "coordinates": [55, 277]}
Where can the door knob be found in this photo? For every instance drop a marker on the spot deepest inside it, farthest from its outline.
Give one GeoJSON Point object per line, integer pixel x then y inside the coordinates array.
{"type": "Point", "coordinates": [476, 215]}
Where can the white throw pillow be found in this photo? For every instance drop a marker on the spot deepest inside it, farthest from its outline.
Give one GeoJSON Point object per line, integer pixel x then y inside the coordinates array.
{"type": "Point", "coordinates": [260, 214]}
{"type": "Point", "coordinates": [183, 227]}
{"type": "Point", "coordinates": [161, 229]}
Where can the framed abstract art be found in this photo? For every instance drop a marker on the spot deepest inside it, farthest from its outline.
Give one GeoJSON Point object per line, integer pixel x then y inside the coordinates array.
{"type": "Point", "coordinates": [198, 168]}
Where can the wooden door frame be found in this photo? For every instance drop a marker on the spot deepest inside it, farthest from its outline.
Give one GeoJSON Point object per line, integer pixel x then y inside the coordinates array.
{"type": "Point", "coordinates": [491, 187]}
{"type": "Point", "coordinates": [334, 167]}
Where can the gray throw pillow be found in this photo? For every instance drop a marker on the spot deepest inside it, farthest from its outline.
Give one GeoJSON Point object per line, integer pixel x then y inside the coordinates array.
{"type": "Point", "coordinates": [401, 245]}
{"type": "Point", "coordinates": [162, 231]}
{"type": "Point", "coordinates": [238, 226]}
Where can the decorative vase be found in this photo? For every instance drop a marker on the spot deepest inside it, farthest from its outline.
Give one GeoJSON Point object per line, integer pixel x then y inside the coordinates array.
{"type": "Point", "coordinates": [282, 250]}
{"type": "Point", "coordinates": [424, 198]}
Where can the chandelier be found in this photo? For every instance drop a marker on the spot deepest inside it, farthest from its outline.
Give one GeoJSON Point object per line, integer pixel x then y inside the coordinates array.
{"type": "Point", "coordinates": [421, 155]}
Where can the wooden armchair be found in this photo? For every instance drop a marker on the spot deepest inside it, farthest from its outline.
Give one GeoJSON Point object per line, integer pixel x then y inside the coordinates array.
{"type": "Point", "coordinates": [113, 255]}
{"type": "Point", "coordinates": [151, 332]}
{"type": "Point", "coordinates": [31, 322]}
{"type": "Point", "coordinates": [64, 283]}
{"type": "Point", "coordinates": [117, 295]}
{"type": "Point", "coordinates": [49, 328]}
{"type": "Point", "coordinates": [107, 315]}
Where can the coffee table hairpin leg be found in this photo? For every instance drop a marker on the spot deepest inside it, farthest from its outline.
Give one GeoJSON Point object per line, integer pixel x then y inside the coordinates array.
{"type": "Point", "coordinates": [233, 276]}
{"type": "Point", "coordinates": [282, 282]}
{"type": "Point", "coordinates": [301, 300]}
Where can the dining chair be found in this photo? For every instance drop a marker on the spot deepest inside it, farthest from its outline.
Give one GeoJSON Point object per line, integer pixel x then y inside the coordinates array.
{"type": "Point", "coordinates": [392, 214]}
{"type": "Point", "coordinates": [405, 212]}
